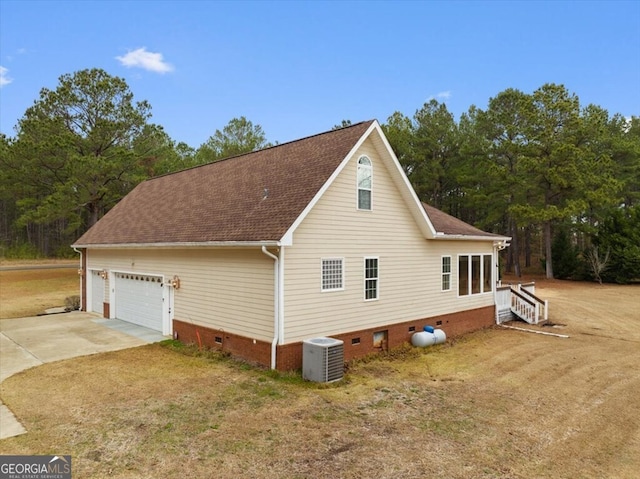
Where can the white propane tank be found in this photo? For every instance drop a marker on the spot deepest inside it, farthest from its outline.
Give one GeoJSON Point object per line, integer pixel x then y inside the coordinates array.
{"type": "Point", "coordinates": [440, 335]}
{"type": "Point", "coordinates": [428, 337]}
{"type": "Point", "coordinates": [423, 339]}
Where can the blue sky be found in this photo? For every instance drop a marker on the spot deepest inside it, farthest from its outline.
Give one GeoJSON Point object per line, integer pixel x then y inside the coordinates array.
{"type": "Point", "coordinates": [299, 68]}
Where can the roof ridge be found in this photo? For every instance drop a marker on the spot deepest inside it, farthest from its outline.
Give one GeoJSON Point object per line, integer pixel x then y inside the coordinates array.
{"type": "Point", "coordinates": [333, 130]}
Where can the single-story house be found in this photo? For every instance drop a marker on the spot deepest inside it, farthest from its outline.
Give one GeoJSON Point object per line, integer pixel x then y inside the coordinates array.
{"type": "Point", "coordinates": [319, 237]}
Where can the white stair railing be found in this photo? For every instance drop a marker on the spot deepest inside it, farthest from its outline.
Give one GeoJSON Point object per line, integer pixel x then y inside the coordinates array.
{"type": "Point", "coordinates": [529, 291]}
{"type": "Point", "coordinates": [521, 300]}
{"type": "Point", "coordinates": [524, 307]}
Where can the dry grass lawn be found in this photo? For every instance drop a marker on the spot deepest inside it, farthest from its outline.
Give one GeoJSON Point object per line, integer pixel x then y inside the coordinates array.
{"type": "Point", "coordinates": [495, 404]}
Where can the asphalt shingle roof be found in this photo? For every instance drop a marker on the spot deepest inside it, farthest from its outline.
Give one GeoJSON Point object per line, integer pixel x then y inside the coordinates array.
{"type": "Point", "coordinates": [251, 197]}
{"type": "Point", "coordinates": [450, 225]}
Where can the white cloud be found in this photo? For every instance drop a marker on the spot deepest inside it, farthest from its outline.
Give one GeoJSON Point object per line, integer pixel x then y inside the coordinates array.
{"type": "Point", "coordinates": [4, 79]}
{"type": "Point", "coordinates": [141, 58]}
{"type": "Point", "coordinates": [443, 96]}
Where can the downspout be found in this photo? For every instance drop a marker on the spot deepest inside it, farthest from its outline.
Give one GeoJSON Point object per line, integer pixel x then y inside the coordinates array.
{"type": "Point", "coordinates": [497, 247]}
{"type": "Point", "coordinates": [276, 304]}
{"type": "Point", "coordinates": [81, 280]}
{"type": "Point", "coordinates": [495, 283]}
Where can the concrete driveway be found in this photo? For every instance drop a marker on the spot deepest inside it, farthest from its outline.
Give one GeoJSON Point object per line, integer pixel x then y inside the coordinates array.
{"type": "Point", "coordinates": [29, 342]}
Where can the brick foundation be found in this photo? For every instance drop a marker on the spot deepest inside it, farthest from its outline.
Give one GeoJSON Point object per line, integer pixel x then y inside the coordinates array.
{"type": "Point", "coordinates": [356, 344]}
{"type": "Point", "coordinates": [249, 349]}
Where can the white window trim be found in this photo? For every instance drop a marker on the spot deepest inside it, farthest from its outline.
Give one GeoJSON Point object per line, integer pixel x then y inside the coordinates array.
{"type": "Point", "coordinates": [370, 167]}
{"type": "Point", "coordinates": [331, 290]}
{"type": "Point", "coordinates": [468, 293]}
{"type": "Point", "coordinates": [449, 274]}
{"type": "Point", "coordinates": [483, 273]}
{"type": "Point", "coordinates": [469, 274]}
{"type": "Point", "coordinates": [365, 279]}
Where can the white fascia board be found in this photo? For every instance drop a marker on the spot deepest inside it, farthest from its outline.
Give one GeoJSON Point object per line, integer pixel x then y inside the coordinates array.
{"type": "Point", "coordinates": [499, 239]}
{"type": "Point", "coordinates": [287, 239]}
{"type": "Point", "coordinates": [416, 203]}
{"type": "Point", "coordinates": [205, 244]}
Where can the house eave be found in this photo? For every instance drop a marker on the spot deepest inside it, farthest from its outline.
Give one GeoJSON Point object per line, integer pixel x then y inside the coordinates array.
{"type": "Point", "coordinates": [454, 237]}
{"type": "Point", "coordinates": [186, 244]}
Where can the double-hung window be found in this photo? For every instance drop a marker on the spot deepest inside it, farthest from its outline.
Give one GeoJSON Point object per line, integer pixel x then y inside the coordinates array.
{"type": "Point", "coordinates": [370, 279]}
{"type": "Point", "coordinates": [365, 183]}
{"type": "Point", "coordinates": [332, 274]}
{"type": "Point", "coordinates": [446, 273]}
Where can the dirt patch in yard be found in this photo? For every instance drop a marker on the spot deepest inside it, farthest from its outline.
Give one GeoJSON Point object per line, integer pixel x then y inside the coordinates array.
{"type": "Point", "coordinates": [494, 404]}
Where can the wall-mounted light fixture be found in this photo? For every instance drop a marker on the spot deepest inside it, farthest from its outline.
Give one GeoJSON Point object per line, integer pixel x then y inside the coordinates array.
{"type": "Point", "coordinates": [175, 282]}
{"type": "Point", "coordinates": [104, 274]}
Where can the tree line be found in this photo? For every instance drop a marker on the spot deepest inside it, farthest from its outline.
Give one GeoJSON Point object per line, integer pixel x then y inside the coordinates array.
{"type": "Point", "coordinates": [538, 167]}
{"type": "Point", "coordinates": [561, 179]}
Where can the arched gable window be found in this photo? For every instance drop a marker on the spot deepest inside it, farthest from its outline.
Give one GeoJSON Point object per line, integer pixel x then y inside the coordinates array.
{"type": "Point", "coordinates": [365, 183]}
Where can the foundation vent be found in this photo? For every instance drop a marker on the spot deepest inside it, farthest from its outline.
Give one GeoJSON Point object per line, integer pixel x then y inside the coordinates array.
{"type": "Point", "coordinates": [322, 359]}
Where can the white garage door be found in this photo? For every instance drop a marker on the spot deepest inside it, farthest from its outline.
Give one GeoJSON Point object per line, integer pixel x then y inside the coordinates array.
{"type": "Point", "coordinates": [97, 292]}
{"type": "Point", "coordinates": [138, 299]}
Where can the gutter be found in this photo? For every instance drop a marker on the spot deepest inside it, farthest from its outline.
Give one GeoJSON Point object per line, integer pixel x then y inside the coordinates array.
{"type": "Point", "coordinates": [444, 236]}
{"type": "Point", "coordinates": [502, 243]}
{"type": "Point", "coordinates": [201, 244]}
{"type": "Point", "coordinates": [276, 302]}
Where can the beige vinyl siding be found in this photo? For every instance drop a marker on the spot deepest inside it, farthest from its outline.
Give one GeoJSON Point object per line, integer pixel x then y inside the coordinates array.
{"type": "Point", "coordinates": [226, 289]}
{"type": "Point", "coordinates": [409, 285]}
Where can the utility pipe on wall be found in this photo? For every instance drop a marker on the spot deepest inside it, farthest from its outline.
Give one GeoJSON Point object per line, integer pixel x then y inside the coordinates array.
{"type": "Point", "coordinates": [276, 304]}
{"type": "Point", "coordinates": [82, 306]}
{"type": "Point", "coordinates": [497, 247]}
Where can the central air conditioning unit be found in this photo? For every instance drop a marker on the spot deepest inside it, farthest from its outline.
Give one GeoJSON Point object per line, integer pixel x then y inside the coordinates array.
{"type": "Point", "coordinates": [322, 359]}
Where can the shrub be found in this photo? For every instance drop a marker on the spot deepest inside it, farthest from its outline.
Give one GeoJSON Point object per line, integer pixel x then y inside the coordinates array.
{"type": "Point", "coordinates": [72, 303]}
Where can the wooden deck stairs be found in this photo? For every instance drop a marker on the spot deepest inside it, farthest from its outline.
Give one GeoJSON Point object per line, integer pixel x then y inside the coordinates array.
{"type": "Point", "coordinates": [520, 301]}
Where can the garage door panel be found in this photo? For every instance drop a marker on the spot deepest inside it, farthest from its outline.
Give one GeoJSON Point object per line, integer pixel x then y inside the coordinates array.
{"type": "Point", "coordinates": [139, 299]}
